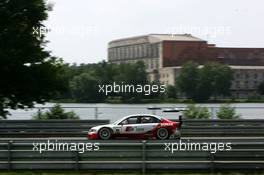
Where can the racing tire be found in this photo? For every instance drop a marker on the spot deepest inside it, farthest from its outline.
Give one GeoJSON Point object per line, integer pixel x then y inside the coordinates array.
{"type": "Point", "coordinates": [162, 134]}
{"type": "Point", "coordinates": [105, 133]}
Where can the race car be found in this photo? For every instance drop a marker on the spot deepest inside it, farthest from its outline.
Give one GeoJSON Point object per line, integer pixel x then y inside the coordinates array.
{"type": "Point", "coordinates": [141, 126]}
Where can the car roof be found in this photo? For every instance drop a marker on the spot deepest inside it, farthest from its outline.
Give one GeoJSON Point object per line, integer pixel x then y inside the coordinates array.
{"type": "Point", "coordinates": [150, 115]}
{"type": "Point", "coordinates": [136, 115]}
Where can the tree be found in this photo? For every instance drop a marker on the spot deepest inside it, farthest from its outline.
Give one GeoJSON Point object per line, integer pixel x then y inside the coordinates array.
{"type": "Point", "coordinates": [261, 88]}
{"type": "Point", "coordinates": [214, 80]}
{"type": "Point", "coordinates": [105, 71]}
{"type": "Point", "coordinates": [28, 73]}
{"type": "Point", "coordinates": [222, 79]}
{"type": "Point", "coordinates": [188, 79]}
{"type": "Point", "coordinates": [131, 74]}
{"type": "Point", "coordinates": [85, 88]}
{"type": "Point", "coordinates": [196, 112]}
{"type": "Point", "coordinates": [227, 112]}
{"type": "Point", "coordinates": [171, 91]}
{"type": "Point", "coordinates": [56, 112]}
{"type": "Point", "coordinates": [204, 88]}
{"type": "Point", "coordinates": [200, 84]}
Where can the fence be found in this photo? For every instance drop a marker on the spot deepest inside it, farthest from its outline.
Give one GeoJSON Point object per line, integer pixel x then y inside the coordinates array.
{"type": "Point", "coordinates": [114, 112]}
{"type": "Point", "coordinates": [133, 155]}
{"type": "Point", "coordinates": [43, 128]}
{"type": "Point", "coordinates": [249, 127]}
{"type": "Point", "coordinates": [79, 128]}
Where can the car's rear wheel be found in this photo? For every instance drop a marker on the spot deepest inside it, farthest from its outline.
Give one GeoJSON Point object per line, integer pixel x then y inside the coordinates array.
{"type": "Point", "coordinates": [162, 134]}
{"type": "Point", "coordinates": [105, 133]}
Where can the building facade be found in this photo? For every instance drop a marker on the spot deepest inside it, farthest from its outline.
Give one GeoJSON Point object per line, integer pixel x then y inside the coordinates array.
{"type": "Point", "coordinates": [164, 54]}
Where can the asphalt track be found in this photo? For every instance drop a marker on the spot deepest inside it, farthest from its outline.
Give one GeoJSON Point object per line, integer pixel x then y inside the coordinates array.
{"type": "Point", "coordinates": [114, 140]}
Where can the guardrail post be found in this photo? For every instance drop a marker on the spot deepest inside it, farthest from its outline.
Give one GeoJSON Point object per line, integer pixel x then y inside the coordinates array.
{"type": "Point", "coordinates": [212, 112]}
{"type": "Point", "coordinates": [77, 167]}
{"type": "Point", "coordinates": [96, 113]}
{"type": "Point", "coordinates": [144, 156]}
{"type": "Point", "coordinates": [212, 162]}
{"type": "Point", "coordinates": [9, 147]}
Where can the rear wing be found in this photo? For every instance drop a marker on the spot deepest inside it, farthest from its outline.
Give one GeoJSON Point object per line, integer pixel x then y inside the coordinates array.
{"type": "Point", "coordinates": [176, 110]}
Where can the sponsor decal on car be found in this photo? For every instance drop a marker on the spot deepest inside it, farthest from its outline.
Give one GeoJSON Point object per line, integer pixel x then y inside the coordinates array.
{"type": "Point", "coordinates": [166, 124]}
{"type": "Point", "coordinates": [130, 128]}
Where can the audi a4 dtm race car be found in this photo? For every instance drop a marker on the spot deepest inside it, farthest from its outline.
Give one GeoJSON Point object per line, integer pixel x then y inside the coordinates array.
{"type": "Point", "coordinates": [137, 127]}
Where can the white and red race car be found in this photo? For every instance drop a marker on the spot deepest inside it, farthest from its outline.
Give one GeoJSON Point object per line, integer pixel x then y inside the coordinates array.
{"type": "Point", "coordinates": [140, 126]}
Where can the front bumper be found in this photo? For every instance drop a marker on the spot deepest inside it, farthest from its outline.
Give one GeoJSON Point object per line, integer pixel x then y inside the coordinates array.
{"type": "Point", "coordinates": [92, 135]}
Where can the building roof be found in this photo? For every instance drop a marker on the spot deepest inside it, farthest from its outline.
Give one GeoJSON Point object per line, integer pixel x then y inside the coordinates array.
{"type": "Point", "coordinates": [153, 38]}
{"type": "Point", "coordinates": [175, 37]}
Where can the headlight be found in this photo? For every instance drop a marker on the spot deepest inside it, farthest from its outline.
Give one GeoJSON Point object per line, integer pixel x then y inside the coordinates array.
{"type": "Point", "coordinates": [92, 130]}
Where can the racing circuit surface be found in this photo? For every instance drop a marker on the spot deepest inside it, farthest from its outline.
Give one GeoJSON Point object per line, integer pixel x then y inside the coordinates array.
{"type": "Point", "coordinates": [228, 145]}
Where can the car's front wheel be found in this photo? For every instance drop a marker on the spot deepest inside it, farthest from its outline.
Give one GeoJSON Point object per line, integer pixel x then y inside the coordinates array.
{"type": "Point", "coordinates": [105, 133]}
{"type": "Point", "coordinates": [162, 134]}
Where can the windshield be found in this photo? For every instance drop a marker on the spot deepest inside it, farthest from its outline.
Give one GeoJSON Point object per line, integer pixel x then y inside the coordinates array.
{"type": "Point", "coordinates": [120, 120]}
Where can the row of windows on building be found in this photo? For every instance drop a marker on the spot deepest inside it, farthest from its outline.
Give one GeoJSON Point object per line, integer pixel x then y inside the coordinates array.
{"type": "Point", "coordinates": [255, 75]}
{"type": "Point", "coordinates": [245, 84]}
{"type": "Point", "coordinates": [134, 51]}
{"type": "Point", "coordinates": [236, 84]}
{"type": "Point", "coordinates": [150, 63]}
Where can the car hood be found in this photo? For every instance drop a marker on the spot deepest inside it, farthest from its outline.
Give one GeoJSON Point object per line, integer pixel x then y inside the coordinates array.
{"type": "Point", "coordinates": [101, 126]}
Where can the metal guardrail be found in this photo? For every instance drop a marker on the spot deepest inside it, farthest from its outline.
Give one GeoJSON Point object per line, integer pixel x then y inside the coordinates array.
{"type": "Point", "coordinates": [133, 155]}
{"type": "Point", "coordinates": [97, 110]}
{"type": "Point", "coordinates": [42, 128]}
{"type": "Point", "coordinates": [79, 128]}
{"type": "Point", "coordinates": [244, 127]}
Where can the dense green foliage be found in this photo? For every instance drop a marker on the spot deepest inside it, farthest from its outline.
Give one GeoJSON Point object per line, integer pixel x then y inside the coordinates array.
{"type": "Point", "coordinates": [85, 79]}
{"type": "Point", "coordinates": [28, 73]}
{"type": "Point", "coordinates": [261, 88]}
{"type": "Point", "coordinates": [85, 88]}
{"type": "Point", "coordinates": [56, 112]}
{"type": "Point", "coordinates": [198, 84]}
{"type": "Point", "coordinates": [171, 92]}
{"type": "Point", "coordinates": [196, 112]}
{"type": "Point", "coordinates": [188, 79]}
{"type": "Point", "coordinates": [227, 112]}
{"type": "Point", "coordinates": [202, 83]}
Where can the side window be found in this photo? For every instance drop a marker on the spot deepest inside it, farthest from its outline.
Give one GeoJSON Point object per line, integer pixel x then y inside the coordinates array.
{"type": "Point", "coordinates": [131, 120]}
{"type": "Point", "coordinates": [124, 122]}
{"type": "Point", "coordinates": [149, 119]}
{"type": "Point", "coordinates": [155, 120]}
{"type": "Point", "coordinates": [146, 119]}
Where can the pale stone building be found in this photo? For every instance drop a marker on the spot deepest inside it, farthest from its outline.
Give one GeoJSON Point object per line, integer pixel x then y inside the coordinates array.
{"type": "Point", "coordinates": [164, 54]}
{"type": "Point", "coordinates": [245, 83]}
